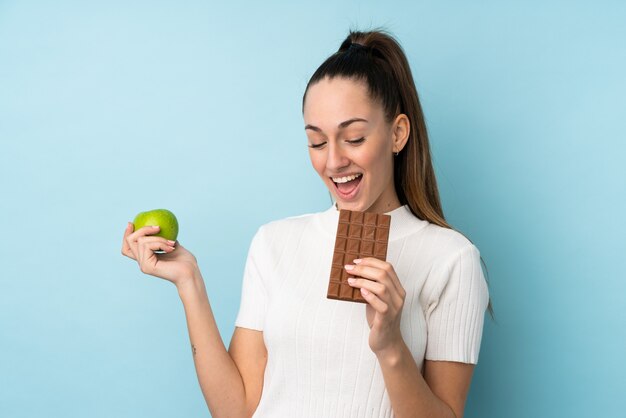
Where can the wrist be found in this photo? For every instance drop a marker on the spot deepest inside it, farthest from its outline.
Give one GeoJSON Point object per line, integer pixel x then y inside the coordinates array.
{"type": "Point", "coordinates": [393, 354]}
{"type": "Point", "coordinates": [191, 283]}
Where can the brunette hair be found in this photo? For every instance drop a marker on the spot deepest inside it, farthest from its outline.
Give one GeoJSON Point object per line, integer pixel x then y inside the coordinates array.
{"type": "Point", "coordinates": [377, 58]}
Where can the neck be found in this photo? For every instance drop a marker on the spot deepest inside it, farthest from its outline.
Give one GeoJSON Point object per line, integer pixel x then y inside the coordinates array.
{"type": "Point", "coordinates": [403, 222]}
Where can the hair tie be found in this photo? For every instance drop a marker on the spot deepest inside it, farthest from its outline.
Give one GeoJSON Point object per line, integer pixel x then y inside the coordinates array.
{"type": "Point", "coordinates": [357, 46]}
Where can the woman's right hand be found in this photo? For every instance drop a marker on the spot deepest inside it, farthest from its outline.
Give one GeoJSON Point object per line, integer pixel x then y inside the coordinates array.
{"type": "Point", "coordinates": [176, 264]}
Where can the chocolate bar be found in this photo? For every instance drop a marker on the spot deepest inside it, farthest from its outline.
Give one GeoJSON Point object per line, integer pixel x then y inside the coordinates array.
{"type": "Point", "coordinates": [359, 234]}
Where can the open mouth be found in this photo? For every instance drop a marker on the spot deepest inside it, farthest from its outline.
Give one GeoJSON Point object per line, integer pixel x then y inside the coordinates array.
{"type": "Point", "coordinates": [348, 187]}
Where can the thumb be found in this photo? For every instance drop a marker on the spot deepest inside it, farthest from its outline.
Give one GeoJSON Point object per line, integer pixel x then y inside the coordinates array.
{"type": "Point", "coordinates": [129, 228]}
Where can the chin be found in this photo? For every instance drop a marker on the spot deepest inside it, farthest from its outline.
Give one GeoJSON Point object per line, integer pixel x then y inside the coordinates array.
{"type": "Point", "coordinates": [355, 206]}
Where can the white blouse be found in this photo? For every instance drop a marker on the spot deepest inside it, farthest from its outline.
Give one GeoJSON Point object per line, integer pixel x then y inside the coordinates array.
{"type": "Point", "coordinates": [319, 361]}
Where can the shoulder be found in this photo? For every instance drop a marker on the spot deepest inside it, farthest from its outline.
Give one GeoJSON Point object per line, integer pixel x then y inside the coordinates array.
{"type": "Point", "coordinates": [278, 232]}
{"type": "Point", "coordinates": [447, 244]}
{"type": "Point", "coordinates": [455, 271]}
{"type": "Point", "coordinates": [281, 239]}
{"type": "Point", "coordinates": [286, 224]}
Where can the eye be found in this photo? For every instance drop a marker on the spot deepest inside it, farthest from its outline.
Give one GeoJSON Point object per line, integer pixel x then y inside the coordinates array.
{"type": "Point", "coordinates": [357, 141]}
{"type": "Point", "coordinates": [353, 141]}
{"type": "Point", "coordinates": [315, 146]}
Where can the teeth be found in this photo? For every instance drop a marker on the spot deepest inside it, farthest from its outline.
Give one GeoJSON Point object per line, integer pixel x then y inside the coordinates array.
{"type": "Point", "coordinates": [345, 179]}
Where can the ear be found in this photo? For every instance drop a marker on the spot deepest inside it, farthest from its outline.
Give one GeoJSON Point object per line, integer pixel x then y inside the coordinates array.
{"type": "Point", "coordinates": [401, 128]}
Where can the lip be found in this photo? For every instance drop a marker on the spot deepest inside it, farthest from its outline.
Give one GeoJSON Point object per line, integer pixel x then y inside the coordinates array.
{"type": "Point", "coordinates": [352, 195]}
{"type": "Point", "coordinates": [344, 175]}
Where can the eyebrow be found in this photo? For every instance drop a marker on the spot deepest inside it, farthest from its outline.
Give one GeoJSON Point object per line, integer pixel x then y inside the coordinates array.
{"type": "Point", "coordinates": [340, 126]}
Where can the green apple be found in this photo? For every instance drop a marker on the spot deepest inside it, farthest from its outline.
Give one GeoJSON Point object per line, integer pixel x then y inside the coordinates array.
{"type": "Point", "coordinates": [163, 218]}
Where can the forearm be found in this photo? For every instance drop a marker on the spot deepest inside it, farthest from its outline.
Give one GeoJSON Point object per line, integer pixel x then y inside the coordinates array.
{"type": "Point", "coordinates": [409, 393]}
{"type": "Point", "coordinates": [219, 378]}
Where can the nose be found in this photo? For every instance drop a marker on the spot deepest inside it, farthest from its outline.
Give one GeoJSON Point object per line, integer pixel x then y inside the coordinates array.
{"type": "Point", "coordinates": [336, 159]}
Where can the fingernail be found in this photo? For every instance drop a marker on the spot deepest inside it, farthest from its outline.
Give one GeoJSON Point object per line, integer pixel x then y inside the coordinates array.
{"type": "Point", "coordinates": [349, 267]}
{"type": "Point", "coordinates": [155, 226]}
{"type": "Point", "coordinates": [351, 280]}
{"type": "Point", "coordinates": [169, 241]}
{"type": "Point", "coordinates": [356, 261]}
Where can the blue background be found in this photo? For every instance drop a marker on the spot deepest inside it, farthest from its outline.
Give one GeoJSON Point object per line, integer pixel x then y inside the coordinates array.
{"type": "Point", "coordinates": [114, 108]}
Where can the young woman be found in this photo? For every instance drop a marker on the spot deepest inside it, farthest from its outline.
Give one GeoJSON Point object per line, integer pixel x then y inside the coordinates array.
{"type": "Point", "coordinates": [410, 351]}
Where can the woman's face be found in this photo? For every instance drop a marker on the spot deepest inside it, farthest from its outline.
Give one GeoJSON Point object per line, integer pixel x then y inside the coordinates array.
{"type": "Point", "coordinates": [351, 146]}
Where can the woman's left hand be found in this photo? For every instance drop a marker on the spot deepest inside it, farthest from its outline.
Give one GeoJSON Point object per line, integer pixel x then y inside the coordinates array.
{"type": "Point", "coordinates": [385, 295]}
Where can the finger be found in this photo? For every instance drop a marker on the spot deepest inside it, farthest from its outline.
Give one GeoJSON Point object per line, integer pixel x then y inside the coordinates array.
{"type": "Point", "coordinates": [132, 238]}
{"type": "Point", "coordinates": [374, 287]}
{"type": "Point", "coordinates": [378, 304]}
{"type": "Point", "coordinates": [144, 231]}
{"type": "Point", "coordinates": [368, 272]}
{"type": "Point", "coordinates": [385, 266]}
{"type": "Point", "coordinates": [126, 249]}
{"type": "Point", "coordinates": [150, 240]}
{"type": "Point", "coordinates": [147, 258]}
{"type": "Point", "coordinates": [383, 277]}
{"type": "Point", "coordinates": [141, 232]}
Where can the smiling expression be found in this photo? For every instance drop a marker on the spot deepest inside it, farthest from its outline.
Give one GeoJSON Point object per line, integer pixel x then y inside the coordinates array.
{"type": "Point", "coordinates": [348, 135]}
